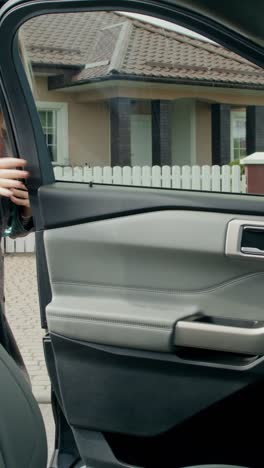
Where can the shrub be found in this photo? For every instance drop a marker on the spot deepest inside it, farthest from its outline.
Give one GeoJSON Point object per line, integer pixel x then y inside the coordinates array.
{"type": "Point", "coordinates": [236, 162]}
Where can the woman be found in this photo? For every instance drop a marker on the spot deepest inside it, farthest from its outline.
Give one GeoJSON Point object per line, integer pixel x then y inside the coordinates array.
{"type": "Point", "coordinates": [15, 211]}
{"type": "Point", "coordinates": [15, 220]}
{"type": "Point", "coordinates": [11, 170]}
{"type": "Point", "coordinates": [19, 409]}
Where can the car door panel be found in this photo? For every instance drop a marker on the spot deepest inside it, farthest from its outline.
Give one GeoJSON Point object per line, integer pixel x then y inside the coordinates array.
{"type": "Point", "coordinates": [110, 201]}
{"type": "Point", "coordinates": [166, 389]}
{"type": "Point", "coordinates": [128, 276]}
{"type": "Point", "coordinates": [119, 287]}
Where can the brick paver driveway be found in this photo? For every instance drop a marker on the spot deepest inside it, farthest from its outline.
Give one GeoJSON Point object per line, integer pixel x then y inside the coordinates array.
{"type": "Point", "coordinates": [23, 315]}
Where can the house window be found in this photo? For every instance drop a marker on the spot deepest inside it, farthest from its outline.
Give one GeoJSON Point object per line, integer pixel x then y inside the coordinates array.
{"type": "Point", "coordinates": [238, 135]}
{"type": "Point", "coordinates": [48, 120]}
{"type": "Point", "coordinates": [54, 121]}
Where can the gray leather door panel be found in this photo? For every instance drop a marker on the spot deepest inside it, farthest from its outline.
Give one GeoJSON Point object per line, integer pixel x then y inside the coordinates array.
{"type": "Point", "coordinates": [127, 281]}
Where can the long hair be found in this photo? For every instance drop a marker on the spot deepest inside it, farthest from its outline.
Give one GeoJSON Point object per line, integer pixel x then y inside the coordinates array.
{"type": "Point", "coordinates": [1, 133]}
{"type": "Point", "coordinates": [1, 123]}
{"type": "Point", "coordinates": [29, 73]}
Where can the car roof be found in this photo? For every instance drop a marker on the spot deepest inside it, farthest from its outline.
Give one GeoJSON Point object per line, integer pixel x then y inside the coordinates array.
{"type": "Point", "coordinates": [245, 17]}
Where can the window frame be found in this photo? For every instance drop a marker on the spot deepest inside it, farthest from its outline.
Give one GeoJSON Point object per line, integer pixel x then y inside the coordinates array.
{"type": "Point", "coordinates": [20, 102]}
{"type": "Point", "coordinates": [235, 114]}
{"type": "Point", "coordinates": [61, 109]}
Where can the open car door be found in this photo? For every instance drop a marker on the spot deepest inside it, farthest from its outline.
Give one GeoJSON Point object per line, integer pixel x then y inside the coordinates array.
{"type": "Point", "coordinates": [151, 296]}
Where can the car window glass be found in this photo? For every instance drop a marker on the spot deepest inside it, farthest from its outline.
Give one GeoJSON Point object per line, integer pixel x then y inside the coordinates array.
{"type": "Point", "coordinates": [131, 99]}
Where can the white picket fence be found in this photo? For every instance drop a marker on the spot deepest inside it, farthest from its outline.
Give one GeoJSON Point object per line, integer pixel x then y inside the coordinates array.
{"type": "Point", "coordinates": [209, 178]}
{"type": "Point", "coordinates": [206, 178]}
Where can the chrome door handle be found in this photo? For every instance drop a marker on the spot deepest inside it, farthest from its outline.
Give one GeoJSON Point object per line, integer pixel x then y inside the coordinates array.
{"type": "Point", "coordinates": [235, 238]}
{"type": "Point", "coordinates": [252, 251]}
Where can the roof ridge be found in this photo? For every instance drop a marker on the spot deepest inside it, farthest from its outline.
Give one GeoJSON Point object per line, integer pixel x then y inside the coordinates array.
{"type": "Point", "coordinates": [120, 49]}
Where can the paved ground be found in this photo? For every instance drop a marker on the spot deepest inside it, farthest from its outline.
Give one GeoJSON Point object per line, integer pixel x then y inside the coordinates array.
{"type": "Point", "coordinates": [23, 315]}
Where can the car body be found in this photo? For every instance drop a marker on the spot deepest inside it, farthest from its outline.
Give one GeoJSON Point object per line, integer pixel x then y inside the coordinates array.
{"type": "Point", "coordinates": [154, 328]}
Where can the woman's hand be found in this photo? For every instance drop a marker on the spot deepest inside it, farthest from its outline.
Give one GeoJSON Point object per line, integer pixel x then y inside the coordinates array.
{"type": "Point", "coordinates": [20, 196]}
{"type": "Point", "coordinates": [13, 188]}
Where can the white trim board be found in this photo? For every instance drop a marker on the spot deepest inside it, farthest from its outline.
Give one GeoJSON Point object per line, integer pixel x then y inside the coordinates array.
{"type": "Point", "coordinates": [62, 128]}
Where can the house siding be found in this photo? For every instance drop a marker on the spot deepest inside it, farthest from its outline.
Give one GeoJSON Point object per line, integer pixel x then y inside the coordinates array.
{"type": "Point", "coordinates": [89, 134]}
{"type": "Point", "coordinates": [191, 132]}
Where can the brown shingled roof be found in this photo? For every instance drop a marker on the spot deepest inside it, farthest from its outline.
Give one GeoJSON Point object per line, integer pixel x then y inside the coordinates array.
{"type": "Point", "coordinates": [102, 45]}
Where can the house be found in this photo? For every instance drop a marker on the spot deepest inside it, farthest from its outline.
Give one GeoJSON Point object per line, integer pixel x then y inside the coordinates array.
{"type": "Point", "coordinates": [115, 90]}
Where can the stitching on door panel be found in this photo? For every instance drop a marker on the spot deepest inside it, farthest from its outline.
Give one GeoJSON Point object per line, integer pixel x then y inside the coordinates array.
{"type": "Point", "coordinates": [72, 318]}
{"type": "Point", "coordinates": [222, 285]}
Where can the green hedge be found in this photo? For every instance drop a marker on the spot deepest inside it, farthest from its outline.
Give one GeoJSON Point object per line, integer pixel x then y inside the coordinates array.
{"type": "Point", "coordinates": [236, 162]}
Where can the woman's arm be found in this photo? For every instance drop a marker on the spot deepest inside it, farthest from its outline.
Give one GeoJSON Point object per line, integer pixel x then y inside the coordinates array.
{"type": "Point", "coordinates": [20, 221]}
